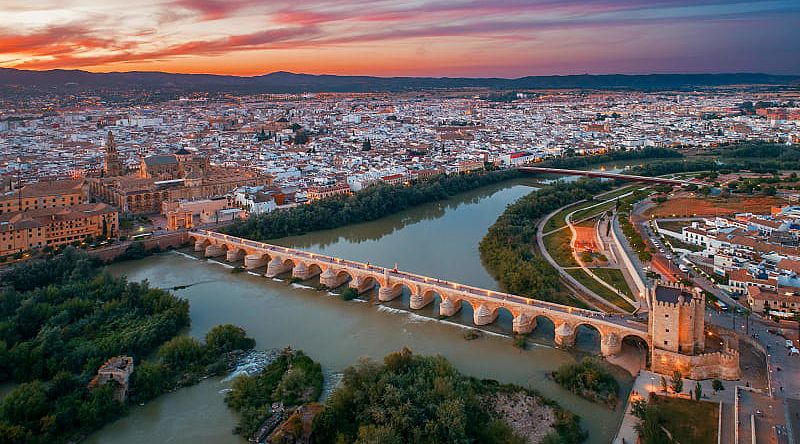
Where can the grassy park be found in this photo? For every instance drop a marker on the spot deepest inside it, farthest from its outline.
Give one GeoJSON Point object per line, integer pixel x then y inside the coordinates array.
{"type": "Point", "coordinates": [689, 421]}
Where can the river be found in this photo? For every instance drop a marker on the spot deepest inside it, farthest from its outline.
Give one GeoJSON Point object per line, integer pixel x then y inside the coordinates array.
{"type": "Point", "coordinates": [438, 239]}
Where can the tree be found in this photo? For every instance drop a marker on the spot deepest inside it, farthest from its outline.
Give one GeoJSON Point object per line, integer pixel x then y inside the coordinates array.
{"type": "Point", "coordinates": [300, 137]}
{"type": "Point", "coordinates": [663, 384]}
{"type": "Point", "coordinates": [677, 382]}
{"type": "Point", "coordinates": [639, 408]}
{"type": "Point", "coordinates": [650, 429]}
{"type": "Point", "coordinates": [226, 338]}
{"type": "Point", "coordinates": [181, 352]}
{"type": "Point", "coordinates": [698, 391]}
{"type": "Point", "coordinates": [25, 405]}
{"type": "Point", "coordinates": [149, 380]}
{"type": "Point", "coordinates": [716, 384]}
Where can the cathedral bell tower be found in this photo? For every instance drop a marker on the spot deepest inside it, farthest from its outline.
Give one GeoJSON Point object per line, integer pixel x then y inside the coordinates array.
{"type": "Point", "coordinates": [113, 165]}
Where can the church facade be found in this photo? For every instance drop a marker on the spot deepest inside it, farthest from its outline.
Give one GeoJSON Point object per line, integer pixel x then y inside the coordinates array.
{"type": "Point", "coordinates": [182, 175]}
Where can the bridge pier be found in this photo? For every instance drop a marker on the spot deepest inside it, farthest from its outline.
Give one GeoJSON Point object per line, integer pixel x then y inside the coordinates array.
{"type": "Point", "coordinates": [301, 271]}
{"type": "Point", "coordinates": [386, 294]}
{"type": "Point", "coordinates": [253, 261]}
{"type": "Point", "coordinates": [484, 316]}
{"type": "Point", "coordinates": [524, 324]}
{"type": "Point", "coordinates": [362, 285]}
{"type": "Point", "coordinates": [564, 336]}
{"type": "Point", "coordinates": [419, 301]}
{"type": "Point", "coordinates": [214, 251]}
{"type": "Point", "coordinates": [200, 245]}
{"type": "Point", "coordinates": [449, 308]}
{"type": "Point", "coordinates": [234, 255]}
{"type": "Point", "coordinates": [276, 266]}
{"type": "Point", "coordinates": [610, 344]}
{"type": "Point", "coordinates": [331, 279]}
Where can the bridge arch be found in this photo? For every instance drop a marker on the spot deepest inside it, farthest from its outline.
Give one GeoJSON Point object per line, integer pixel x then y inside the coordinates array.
{"type": "Point", "coordinates": [344, 274]}
{"type": "Point", "coordinates": [369, 279]}
{"type": "Point", "coordinates": [422, 296]}
{"type": "Point", "coordinates": [545, 327]}
{"type": "Point", "coordinates": [452, 304]}
{"type": "Point", "coordinates": [402, 286]}
{"type": "Point", "coordinates": [588, 337]}
{"type": "Point", "coordinates": [504, 317]}
{"type": "Point", "coordinates": [639, 345]}
{"type": "Point", "coordinates": [289, 262]}
{"type": "Point", "coordinates": [314, 268]}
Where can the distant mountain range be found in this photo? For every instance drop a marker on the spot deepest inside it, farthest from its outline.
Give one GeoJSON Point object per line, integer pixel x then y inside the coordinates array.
{"type": "Point", "coordinates": [284, 82]}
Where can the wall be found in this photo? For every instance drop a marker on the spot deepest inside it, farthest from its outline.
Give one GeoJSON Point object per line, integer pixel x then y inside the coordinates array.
{"type": "Point", "coordinates": [163, 242]}
{"type": "Point", "coordinates": [669, 233]}
{"type": "Point", "coordinates": [641, 287]}
{"type": "Point", "coordinates": [722, 365]}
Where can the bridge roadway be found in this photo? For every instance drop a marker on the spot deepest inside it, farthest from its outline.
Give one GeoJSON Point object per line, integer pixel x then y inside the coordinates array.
{"type": "Point", "coordinates": [362, 277]}
{"type": "Point", "coordinates": [628, 177]}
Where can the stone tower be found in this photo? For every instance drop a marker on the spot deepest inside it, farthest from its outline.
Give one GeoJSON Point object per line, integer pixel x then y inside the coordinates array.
{"type": "Point", "coordinates": [676, 319]}
{"type": "Point", "coordinates": [113, 164]}
{"type": "Point", "coordinates": [677, 329]}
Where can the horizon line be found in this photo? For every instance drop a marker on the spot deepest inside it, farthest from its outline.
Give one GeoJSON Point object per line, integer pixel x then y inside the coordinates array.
{"type": "Point", "coordinates": [402, 76]}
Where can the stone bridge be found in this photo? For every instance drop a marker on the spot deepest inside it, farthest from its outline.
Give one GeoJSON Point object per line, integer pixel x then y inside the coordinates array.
{"type": "Point", "coordinates": [486, 304]}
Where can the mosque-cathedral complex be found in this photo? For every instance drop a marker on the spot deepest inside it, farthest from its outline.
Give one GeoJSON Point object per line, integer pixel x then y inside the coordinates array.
{"type": "Point", "coordinates": [182, 175]}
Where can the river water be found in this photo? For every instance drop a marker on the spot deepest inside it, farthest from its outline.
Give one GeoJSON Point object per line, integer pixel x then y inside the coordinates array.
{"type": "Point", "coordinates": [438, 239]}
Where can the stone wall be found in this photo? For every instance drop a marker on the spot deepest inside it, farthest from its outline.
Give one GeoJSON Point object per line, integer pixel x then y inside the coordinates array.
{"type": "Point", "coordinates": [722, 365]}
{"type": "Point", "coordinates": [163, 242]}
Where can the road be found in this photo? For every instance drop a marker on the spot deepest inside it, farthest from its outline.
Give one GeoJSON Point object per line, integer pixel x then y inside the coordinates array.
{"type": "Point", "coordinates": [764, 413]}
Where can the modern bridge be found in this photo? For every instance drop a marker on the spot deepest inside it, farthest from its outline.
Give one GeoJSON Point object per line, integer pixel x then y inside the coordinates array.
{"type": "Point", "coordinates": [603, 174]}
{"type": "Point", "coordinates": [486, 304]}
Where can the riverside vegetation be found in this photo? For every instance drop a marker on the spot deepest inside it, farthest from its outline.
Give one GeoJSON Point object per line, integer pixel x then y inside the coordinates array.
{"type": "Point", "coordinates": [367, 204]}
{"type": "Point", "coordinates": [293, 379]}
{"type": "Point", "coordinates": [508, 249]}
{"type": "Point", "coordinates": [423, 399]}
{"type": "Point", "coordinates": [61, 318]}
{"type": "Point", "coordinates": [589, 380]}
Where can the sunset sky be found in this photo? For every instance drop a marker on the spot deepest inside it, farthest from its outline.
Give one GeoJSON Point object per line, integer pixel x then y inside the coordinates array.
{"type": "Point", "coordinates": [473, 38]}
